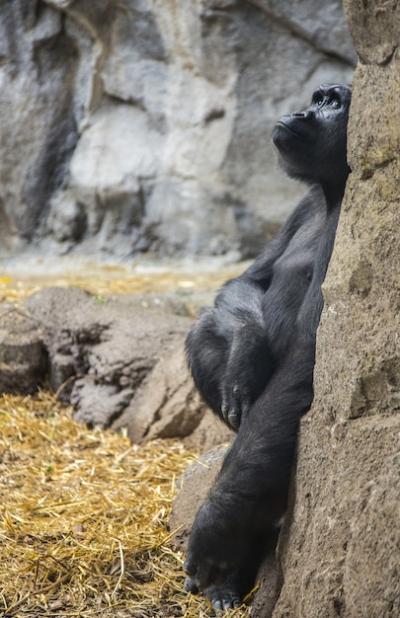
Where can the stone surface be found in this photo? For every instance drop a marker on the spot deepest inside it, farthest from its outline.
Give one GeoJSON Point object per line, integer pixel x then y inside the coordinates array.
{"type": "Point", "coordinates": [23, 360]}
{"type": "Point", "coordinates": [140, 125]}
{"type": "Point", "coordinates": [193, 487]}
{"type": "Point", "coordinates": [381, 20]}
{"type": "Point", "coordinates": [167, 404]}
{"type": "Point", "coordinates": [210, 433]}
{"type": "Point", "coordinates": [321, 23]}
{"type": "Point", "coordinates": [269, 582]}
{"type": "Point", "coordinates": [119, 361]}
{"type": "Point", "coordinates": [101, 351]}
{"type": "Point", "coordinates": [341, 553]}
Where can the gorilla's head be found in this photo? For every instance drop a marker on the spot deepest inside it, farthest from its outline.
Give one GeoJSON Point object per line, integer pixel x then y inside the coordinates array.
{"type": "Point", "coordinates": [312, 144]}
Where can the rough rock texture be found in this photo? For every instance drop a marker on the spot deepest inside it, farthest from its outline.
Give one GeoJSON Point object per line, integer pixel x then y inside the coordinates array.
{"type": "Point", "coordinates": [341, 555]}
{"type": "Point", "coordinates": [193, 487]}
{"type": "Point", "coordinates": [120, 362]}
{"type": "Point", "coordinates": [23, 360]}
{"type": "Point", "coordinates": [101, 351]}
{"type": "Point", "coordinates": [137, 125]}
{"type": "Point", "coordinates": [167, 404]}
{"type": "Point", "coordinates": [269, 580]}
{"type": "Point", "coordinates": [210, 432]}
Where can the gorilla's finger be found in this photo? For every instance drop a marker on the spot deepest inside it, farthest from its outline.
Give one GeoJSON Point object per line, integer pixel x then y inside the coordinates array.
{"type": "Point", "coordinates": [217, 604]}
{"type": "Point", "coordinates": [234, 419]}
{"type": "Point", "coordinates": [190, 586]}
{"type": "Point", "coordinates": [190, 567]}
{"type": "Point", "coordinates": [225, 409]}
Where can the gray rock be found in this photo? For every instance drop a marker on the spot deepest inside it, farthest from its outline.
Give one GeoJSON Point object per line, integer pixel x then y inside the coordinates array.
{"type": "Point", "coordinates": [121, 363]}
{"type": "Point", "coordinates": [130, 127]}
{"type": "Point", "coordinates": [167, 404]}
{"type": "Point", "coordinates": [210, 433]}
{"type": "Point", "coordinates": [101, 351]}
{"type": "Point", "coordinates": [193, 487]}
{"type": "Point", "coordinates": [269, 582]}
{"type": "Point", "coordinates": [23, 361]}
{"type": "Point", "coordinates": [66, 221]}
{"type": "Point", "coordinates": [322, 23]}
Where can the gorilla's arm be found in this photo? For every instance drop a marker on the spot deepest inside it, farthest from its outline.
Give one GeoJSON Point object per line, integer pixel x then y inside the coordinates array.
{"type": "Point", "coordinates": [239, 318]}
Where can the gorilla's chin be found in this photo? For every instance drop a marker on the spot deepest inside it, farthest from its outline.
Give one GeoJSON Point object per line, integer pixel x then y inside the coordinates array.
{"type": "Point", "coordinates": [283, 137]}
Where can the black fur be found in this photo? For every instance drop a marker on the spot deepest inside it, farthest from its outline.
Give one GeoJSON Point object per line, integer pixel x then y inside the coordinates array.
{"type": "Point", "coordinates": [252, 356]}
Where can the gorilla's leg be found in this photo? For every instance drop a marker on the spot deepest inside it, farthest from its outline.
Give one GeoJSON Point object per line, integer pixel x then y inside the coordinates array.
{"type": "Point", "coordinates": [249, 496]}
{"type": "Point", "coordinates": [207, 353]}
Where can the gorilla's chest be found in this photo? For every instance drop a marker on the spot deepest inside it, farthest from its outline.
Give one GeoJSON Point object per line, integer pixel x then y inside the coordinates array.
{"type": "Point", "coordinates": [292, 276]}
{"type": "Point", "coordinates": [293, 270]}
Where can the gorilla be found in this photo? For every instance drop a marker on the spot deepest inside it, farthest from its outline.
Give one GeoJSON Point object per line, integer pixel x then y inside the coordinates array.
{"type": "Point", "coordinates": [252, 357]}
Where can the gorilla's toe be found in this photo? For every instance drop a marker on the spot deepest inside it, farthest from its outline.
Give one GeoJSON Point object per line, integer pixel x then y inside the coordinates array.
{"type": "Point", "coordinates": [223, 597]}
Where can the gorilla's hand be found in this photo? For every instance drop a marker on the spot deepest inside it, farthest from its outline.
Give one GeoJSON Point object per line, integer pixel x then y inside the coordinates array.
{"type": "Point", "coordinates": [236, 398]}
{"type": "Point", "coordinates": [248, 370]}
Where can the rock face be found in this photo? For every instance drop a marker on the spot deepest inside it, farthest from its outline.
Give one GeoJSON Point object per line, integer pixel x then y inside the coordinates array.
{"type": "Point", "coordinates": [23, 359]}
{"type": "Point", "coordinates": [167, 404]}
{"type": "Point", "coordinates": [193, 487]}
{"type": "Point", "coordinates": [144, 125]}
{"type": "Point", "coordinates": [120, 362]}
{"type": "Point", "coordinates": [341, 553]}
{"type": "Point", "coordinates": [101, 351]}
{"type": "Point", "coordinates": [209, 433]}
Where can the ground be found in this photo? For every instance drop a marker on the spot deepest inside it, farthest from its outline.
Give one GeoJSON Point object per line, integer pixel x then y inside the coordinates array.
{"type": "Point", "coordinates": [84, 514]}
{"type": "Point", "coordinates": [83, 519]}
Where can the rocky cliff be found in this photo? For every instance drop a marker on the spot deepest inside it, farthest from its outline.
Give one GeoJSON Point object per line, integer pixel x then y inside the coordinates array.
{"type": "Point", "coordinates": [340, 551]}
{"type": "Point", "coordinates": [138, 125]}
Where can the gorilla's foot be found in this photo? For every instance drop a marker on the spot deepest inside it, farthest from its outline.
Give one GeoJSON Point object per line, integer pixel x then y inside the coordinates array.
{"type": "Point", "coordinates": [226, 595]}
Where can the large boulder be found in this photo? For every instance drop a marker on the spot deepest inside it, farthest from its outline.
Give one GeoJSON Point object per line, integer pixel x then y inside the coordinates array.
{"type": "Point", "coordinates": [192, 489]}
{"type": "Point", "coordinates": [23, 359]}
{"type": "Point", "coordinates": [341, 554]}
{"type": "Point", "coordinates": [130, 126]}
{"type": "Point", "coordinates": [209, 433]}
{"type": "Point", "coordinates": [100, 350]}
{"type": "Point", "coordinates": [167, 404]}
{"type": "Point", "coordinates": [119, 361]}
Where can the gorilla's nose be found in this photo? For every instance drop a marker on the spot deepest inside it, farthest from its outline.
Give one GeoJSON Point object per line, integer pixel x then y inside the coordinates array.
{"type": "Point", "coordinates": [302, 115]}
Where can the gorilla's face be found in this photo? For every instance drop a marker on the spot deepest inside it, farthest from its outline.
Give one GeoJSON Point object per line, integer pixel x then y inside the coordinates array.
{"type": "Point", "coordinates": [312, 144]}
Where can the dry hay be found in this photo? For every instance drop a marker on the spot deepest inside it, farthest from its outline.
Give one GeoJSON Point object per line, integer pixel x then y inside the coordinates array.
{"type": "Point", "coordinates": [83, 519]}
{"type": "Point", "coordinates": [103, 280]}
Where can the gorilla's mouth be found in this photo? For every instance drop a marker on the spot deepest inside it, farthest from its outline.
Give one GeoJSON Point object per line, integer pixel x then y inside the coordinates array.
{"type": "Point", "coordinates": [285, 126]}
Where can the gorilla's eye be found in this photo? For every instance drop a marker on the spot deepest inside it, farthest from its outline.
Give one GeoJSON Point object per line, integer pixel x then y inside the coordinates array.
{"type": "Point", "coordinates": [318, 98]}
{"type": "Point", "coordinates": [334, 102]}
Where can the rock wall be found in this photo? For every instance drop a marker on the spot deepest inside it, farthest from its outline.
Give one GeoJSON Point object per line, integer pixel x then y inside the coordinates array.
{"type": "Point", "coordinates": [340, 551]}
{"type": "Point", "coordinates": [139, 125]}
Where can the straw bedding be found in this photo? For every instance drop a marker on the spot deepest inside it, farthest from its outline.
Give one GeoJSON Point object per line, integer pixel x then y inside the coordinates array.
{"type": "Point", "coordinates": [103, 280]}
{"type": "Point", "coordinates": [83, 519]}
